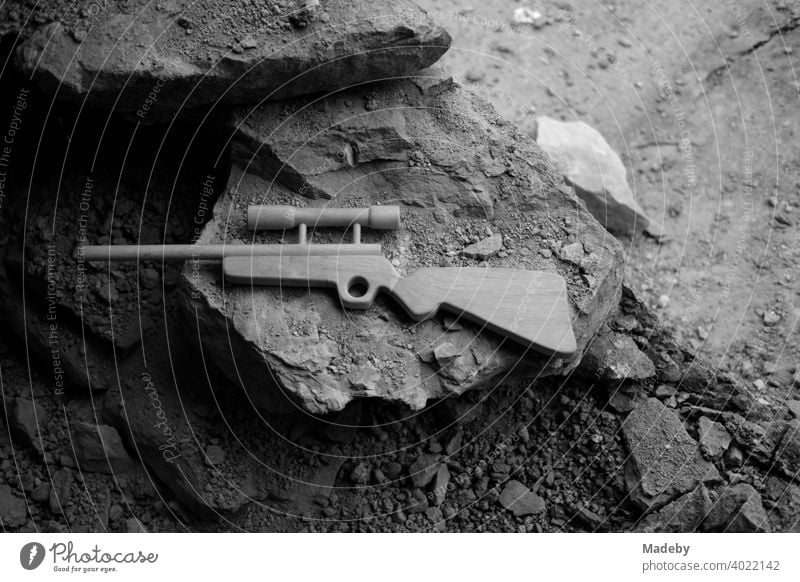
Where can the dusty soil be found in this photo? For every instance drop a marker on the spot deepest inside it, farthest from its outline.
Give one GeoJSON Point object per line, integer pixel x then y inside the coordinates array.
{"type": "Point", "coordinates": [701, 103]}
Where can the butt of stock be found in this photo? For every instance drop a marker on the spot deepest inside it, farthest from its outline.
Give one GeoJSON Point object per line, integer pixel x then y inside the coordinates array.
{"type": "Point", "coordinates": [529, 307]}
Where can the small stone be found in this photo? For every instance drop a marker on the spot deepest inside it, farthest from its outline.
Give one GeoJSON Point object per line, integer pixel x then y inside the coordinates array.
{"type": "Point", "coordinates": [794, 408]}
{"type": "Point", "coordinates": [424, 469]}
{"type": "Point", "coordinates": [733, 458]}
{"type": "Point", "coordinates": [61, 490]}
{"type": "Point", "coordinates": [26, 419]}
{"type": "Point", "coordinates": [484, 249]}
{"type": "Point", "coordinates": [592, 520]}
{"type": "Point", "coordinates": [613, 356]}
{"type": "Point", "coordinates": [150, 278]}
{"type": "Point", "coordinates": [360, 474]}
{"type": "Point", "coordinates": [595, 170]}
{"type": "Point", "coordinates": [621, 402]}
{"type": "Point", "coordinates": [519, 500]}
{"type": "Point", "coordinates": [215, 455]}
{"type": "Point", "coordinates": [445, 353]}
{"type": "Point", "coordinates": [451, 324]}
{"type": "Point", "coordinates": [133, 525]}
{"type": "Point", "coordinates": [98, 448]}
{"type": "Point", "coordinates": [771, 317]}
{"type": "Point", "coordinates": [392, 470]}
{"type": "Point", "coordinates": [572, 253]}
{"type": "Point", "coordinates": [454, 444]}
{"type": "Point", "coordinates": [379, 477]}
{"type": "Point", "coordinates": [714, 439]}
{"type": "Point", "coordinates": [525, 15]}
{"type": "Point", "coordinates": [41, 493]}
{"type": "Point", "coordinates": [664, 391]}
{"type": "Point", "coordinates": [440, 484]}
{"type": "Point", "coordinates": [663, 301]}
{"type": "Point", "coordinates": [738, 510]}
{"type": "Point", "coordinates": [249, 43]}
{"type": "Point", "coordinates": [115, 512]}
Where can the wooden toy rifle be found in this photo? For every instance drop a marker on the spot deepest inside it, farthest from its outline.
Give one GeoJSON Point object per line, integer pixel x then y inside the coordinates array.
{"type": "Point", "coordinates": [529, 307]}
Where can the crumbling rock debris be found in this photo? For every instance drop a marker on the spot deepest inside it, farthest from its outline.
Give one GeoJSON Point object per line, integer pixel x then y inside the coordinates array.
{"type": "Point", "coordinates": [758, 439]}
{"type": "Point", "coordinates": [787, 455]}
{"type": "Point", "coordinates": [586, 160]}
{"type": "Point", "coordinates": [738, 509]}
{"type": "Point", "coordinates": [142, 61]}
{"type": "Point", "coordinates": [664, 461]}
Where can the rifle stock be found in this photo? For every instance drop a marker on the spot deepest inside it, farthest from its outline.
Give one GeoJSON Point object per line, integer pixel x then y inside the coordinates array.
{"type": "Point", "coordinates": [529, 307]}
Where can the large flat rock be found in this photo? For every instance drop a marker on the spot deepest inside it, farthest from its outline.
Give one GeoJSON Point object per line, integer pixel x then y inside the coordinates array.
{"type": "Point", "coordinates": [461, 174]}
{"type": "Point", "coordinates": [664, 461]}
{"type": "Point", "coordinates": [153, 58]}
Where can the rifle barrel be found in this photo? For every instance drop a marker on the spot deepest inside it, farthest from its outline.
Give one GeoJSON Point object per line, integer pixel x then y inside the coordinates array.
{"type": "Point", "coordinates": [217, 252]}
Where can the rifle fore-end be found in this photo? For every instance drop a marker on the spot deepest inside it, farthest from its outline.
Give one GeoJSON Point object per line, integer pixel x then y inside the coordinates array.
{"type": "Point", "coordinates": [529, 307]}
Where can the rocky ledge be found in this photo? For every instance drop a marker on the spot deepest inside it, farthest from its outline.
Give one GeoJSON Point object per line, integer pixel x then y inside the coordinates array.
{"type": "Point", "coordinates": [474, 192]}
{"type": "Point", "coordinates": [155, 59]}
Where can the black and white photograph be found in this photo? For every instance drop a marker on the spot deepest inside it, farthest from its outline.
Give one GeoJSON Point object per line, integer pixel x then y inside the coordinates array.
{"type": "Point", "coordinates": [285, 268]}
